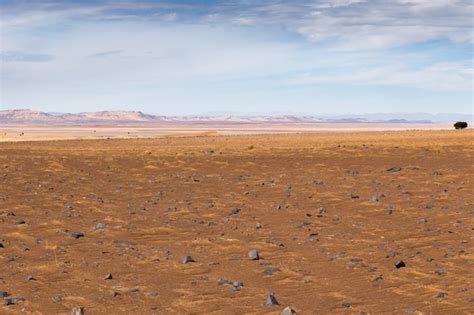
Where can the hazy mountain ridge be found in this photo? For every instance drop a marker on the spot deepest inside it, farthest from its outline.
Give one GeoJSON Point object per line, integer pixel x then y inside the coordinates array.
{"type": "Point", "coordinates": [26, 116]}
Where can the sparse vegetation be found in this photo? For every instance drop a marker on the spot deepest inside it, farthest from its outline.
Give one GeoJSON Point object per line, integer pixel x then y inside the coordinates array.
{"type": "Point", "coordinates": [460, 125]}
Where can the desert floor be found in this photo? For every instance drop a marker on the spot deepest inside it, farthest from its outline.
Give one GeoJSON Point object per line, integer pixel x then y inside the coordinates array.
{"type": "Point", "coordinates": [327, 217]}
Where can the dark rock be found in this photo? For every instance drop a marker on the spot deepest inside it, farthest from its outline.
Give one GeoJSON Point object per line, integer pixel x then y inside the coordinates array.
{"type": "Point", "coordinates": [253, 255]}
{"type": "Point", "coordinates": [108, 277]}
{"type": "Point", "coordinates": [77, 235]}
{"type": "Point", "coordinates": [346, 305]}
{"type": "Point", "coordinates": [354, 196]}
{"type": "Point", "coordinates": [9, 301]}
{"type": "Point", "coordinates": [30, 278]}
{"type": "Point", "coordinates": [132, 290]}
{"type": "Point", "coordinates": [271, 300]}
{"type": "Point", "coordinates": [235, 211]}
{"type": "Point", "coordinates": [18, 222]}
{"type": "Point", "coordinates": [399, 264]}
{"type": "Point", "coordinates": [186, 259]}
{"type": "Point", "coordinates": [237, 284]}
{"type": "Point", "coordinates": [460, 125]}
{"type": "Point", "coordinates": [114, 294]}
{"type": "Point", "coordinates": [154, 294]}
{"type": "Point", "coordinates": [4, 294]}
{"type": "Point", "coordinates": [441, 294]}
{"type": "Point", "coordinates": [394, 169]}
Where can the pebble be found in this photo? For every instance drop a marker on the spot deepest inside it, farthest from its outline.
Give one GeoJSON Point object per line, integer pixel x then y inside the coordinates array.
{"type": "Point", "coordinates": [271, 300]}
{"type": "Point", "coordinates": [394, 169]}
{"type": "Point", "coordinates": [237, 284]}
{"type": "Point", "coordinates": [346, 305]}
{"type": "Point", "coordinates": [9, 302]}
{"type": "Point", "coordinates": [154, 294]}
{"type": "Point", "coordinates": [374, 199]}
{"type": "Point", "coordinates": [235, 211]}
{"type": "Point", "coordinates": [399, 264]}
{"type": "Point", "coordinates": [57, 298]}
{"type": "Point", "coordinates": [222, 281]}
{"type": "Point", "coordinates": [18, 222]}
{"type": "Point", "coordinates": [441, 294]}
{"type": "Point", "coordinates": [77, 235]}
{"type": "Point", "coordinates": [78, 310]}
{"type": "Point", "coordinates": [3, 294]}
{"type": "Point", "coordinates": [132, 290]}
{"type": "Point", "coordinates": [287, 311]}
{"type": "Point", "coordinates": [108, 277]}
{"type": "Point", "coordinates": [186, 259]}
{"type": "Point", "coordinates": [270, 271]}
{"type": "Point", "coordinates": [253, 255]}
{"type": "Point", "coordinates": [99, 226]}
{"type": "Point", "coordinates": [29, 278]}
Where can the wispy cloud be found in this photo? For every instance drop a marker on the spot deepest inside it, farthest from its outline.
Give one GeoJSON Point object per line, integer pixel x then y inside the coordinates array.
{"type": "Point", "coordinates": [104, 54]}
{"type": "Point", "coordinates": [18, 56]}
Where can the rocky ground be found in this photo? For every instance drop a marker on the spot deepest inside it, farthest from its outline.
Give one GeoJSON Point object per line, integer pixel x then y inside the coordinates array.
{"type": "Point", "coordinates": [374, 222]}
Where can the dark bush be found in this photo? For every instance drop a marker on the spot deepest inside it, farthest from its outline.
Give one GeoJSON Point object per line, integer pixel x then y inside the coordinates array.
{"type": "Point", "coordinates": [460, 125]}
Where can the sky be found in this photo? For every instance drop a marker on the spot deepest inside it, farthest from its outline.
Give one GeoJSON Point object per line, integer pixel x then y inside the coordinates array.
{"type": "Point", "coordinates": [247, 57]}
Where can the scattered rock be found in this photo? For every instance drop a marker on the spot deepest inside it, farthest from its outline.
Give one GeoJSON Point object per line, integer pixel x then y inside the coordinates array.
{"type": "Point", "coordinates": [108, 277]}
{"type": "Point", "coordinates": [4, 294]}
{"type": "Point", "coordinates": [270, 271]}
{"type": "Point", "coordinates": [187, 259]}
{"type": "Point", "coordinates": [9, 302]}
{"type": "Point", "coordinates": [346, 305]}
{"type": "Point", "coordinates": [374, 199]}
{"type": "Point", "coordinates": [253, 255]}
{"type": "Point", "coordinates": [18, 222]}
{"type": "Point", "coordinates": [78, 310]}
{"type": "Point", "coordinates": [271, 300]}
{"type": "Point", "coordinates": [30, 278]}
{"type": "Point", "coordinates": [399, 264]}
{"type": "Point", "coordinates": [354, 196]}
{"type": "Point", "coordinates": [132, 290]}
{"type": "Point", "coordinates": [154, 294]}
{"type": "Point", "coordinates": [98, 226]}
{"type": "Point", "coordinates": [394, 169]}
{"type": "Point", "coordinates": [77, 235]}
{"type": "Point", "coordinates": [235, 211]}
{"type": "Point", "coordinates": [441, 294]}
{"type": "Point", "coordinates": [287, 311]}
{"type": "Point", "coordinates": [57, 298]}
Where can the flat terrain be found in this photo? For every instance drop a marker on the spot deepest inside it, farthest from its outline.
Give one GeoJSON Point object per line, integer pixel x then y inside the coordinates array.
{"type": "Point", "coordinates": [62, 132]}
{"type": "Point", "coordinates": [327, 217]}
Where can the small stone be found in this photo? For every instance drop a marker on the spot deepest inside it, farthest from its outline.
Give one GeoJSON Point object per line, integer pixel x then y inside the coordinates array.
{"type": "Point", "coordinates": [394, 169]}
{"type": "Point", "coordinates": [399, 264]}
{"type": "Point", "coordinates": [354, 196]}
{"type": "Point", "coordinates": [57, 298]}
{"type": "Point", "coordinates": [423, 220]}
{"type": "Point", "coordinates": [98, 226]}
{"type": "Point", "coordinates": [271, 300]}
{"type": "Point", "coordinates": [253, 255]}
{"type": "Point", "coordinates": [374, 199]}
{"type": "Point", "coordinates": [154, 307]}
{"type": "Point", "coordinates": [3, 294]}
{"type": "Point", "coordinates": [287, 311]}
{"type": "Point", "coordinates": [222, 281]}
{"type": "Point", "coordinates": [235, 211]}
{"type": "Point", "coordinates": [29, 278]}
{"type": "Point", "coordinates": [78, 310]}
{"type": "Point", "coordinates": [441, 294]}
{"type": "Point", "coordinates": [154, 294]}
{"type": "Point", "coordinates": [237, 284]}
{"type": "Point", "coordinates": [9, 302]}
{"type": "Point", "coordinates": [346, 305]}
{"type": "Point", "coordinates": [18, 222]}
{"type": "Point", "coordinates": [108, 277]}
{"type": "Point", "coordinates": [132, 290]}
{"type": "Point", "coordinates": [77, 235]}
{"type": "Point", "coordinates": [114, 294]}
{"type": "Point", "coordinates": [270, 271]}
{"type": "Point", "coordinates": [258, 226]}
{"type": "Point", "coordinates": [187, 259]}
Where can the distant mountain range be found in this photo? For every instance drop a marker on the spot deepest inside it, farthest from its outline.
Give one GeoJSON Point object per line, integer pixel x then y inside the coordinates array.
{"type": "Point", "coordinates": [30, 117]}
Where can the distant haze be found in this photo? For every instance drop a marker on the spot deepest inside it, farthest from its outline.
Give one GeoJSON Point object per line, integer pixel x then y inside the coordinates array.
{"type": "Point", "coordinates": [186, 57]}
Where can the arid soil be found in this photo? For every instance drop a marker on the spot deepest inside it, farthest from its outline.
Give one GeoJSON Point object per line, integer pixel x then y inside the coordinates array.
{"type": "Point", "coordinates": [327, 216]}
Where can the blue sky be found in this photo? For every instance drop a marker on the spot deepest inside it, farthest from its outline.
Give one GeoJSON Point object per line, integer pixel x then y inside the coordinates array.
{"type": "Point", "coordinates": [199, 57]}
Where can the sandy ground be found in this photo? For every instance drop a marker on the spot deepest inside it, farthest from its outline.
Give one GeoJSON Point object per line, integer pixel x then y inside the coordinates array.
{"type": "Point", "coordinates": [304, 204]}
{"type": "Point", "coordinates": [34, 133]}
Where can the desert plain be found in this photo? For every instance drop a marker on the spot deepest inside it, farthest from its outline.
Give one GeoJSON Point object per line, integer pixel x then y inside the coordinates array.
{"type": "Point", "coordinates": [104, 224]}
